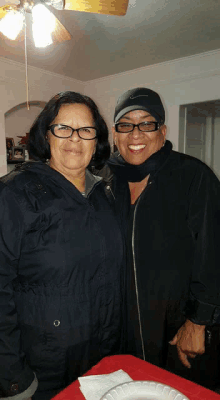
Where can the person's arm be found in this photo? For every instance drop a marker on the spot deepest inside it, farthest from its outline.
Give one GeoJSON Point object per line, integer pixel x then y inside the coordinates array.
{"type": "Point", "coordinates": [26, 393]}
{"type": "Point", "coordinates": [203, 305]}
{"type": "Point", "coordinates": [16, 377]}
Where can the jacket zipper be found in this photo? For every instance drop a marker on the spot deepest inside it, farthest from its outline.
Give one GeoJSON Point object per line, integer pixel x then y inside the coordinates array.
{"type": "Point", "coordinates": [135, 278]}
{"type": "Point", "coordinates": [108, 187]}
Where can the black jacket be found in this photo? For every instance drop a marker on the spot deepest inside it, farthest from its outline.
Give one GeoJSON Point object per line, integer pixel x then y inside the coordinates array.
{"type": "Point", "coordinates": [173, 236]}
{"type": "Point", "coordinates": [61, 279]}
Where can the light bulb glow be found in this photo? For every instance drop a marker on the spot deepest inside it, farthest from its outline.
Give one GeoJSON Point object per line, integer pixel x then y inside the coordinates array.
{"type": "Point", "coordinates": [44, 23]}
{"type": "Point", "coordinates": [12, 24]}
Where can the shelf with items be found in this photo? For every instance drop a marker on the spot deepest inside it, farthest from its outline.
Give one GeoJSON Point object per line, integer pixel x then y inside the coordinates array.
{"type": "Point", "coordinates": [19, 153]}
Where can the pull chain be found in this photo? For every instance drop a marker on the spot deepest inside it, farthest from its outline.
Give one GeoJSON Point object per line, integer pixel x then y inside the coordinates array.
{"type": "Point", "coordinates": [26, 67]}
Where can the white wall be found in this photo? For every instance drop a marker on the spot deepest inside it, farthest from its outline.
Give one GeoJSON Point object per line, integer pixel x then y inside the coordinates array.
{"type": "Point", "coordinates": [216, 147]}
{"type": "Point", "coordinates": [183, 81]}
{"type": "Point", "coordinates": [18, 122]}
{"type": "Point", "coordinates": [42, 86]}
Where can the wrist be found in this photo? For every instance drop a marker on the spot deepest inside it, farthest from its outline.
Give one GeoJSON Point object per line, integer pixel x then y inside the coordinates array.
{"type": "Point", "coordinates": [196, 326]}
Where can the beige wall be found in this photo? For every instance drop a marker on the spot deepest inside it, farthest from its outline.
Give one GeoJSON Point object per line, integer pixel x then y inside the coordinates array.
{"type": "Point", "coordinates": [18, 122]}
{"type": "Point", "coordinates": [183, 81]}
{"type": "Point", "coordinates": [42, 86]}
{"type": "Point", "coordinates": [216, 147]}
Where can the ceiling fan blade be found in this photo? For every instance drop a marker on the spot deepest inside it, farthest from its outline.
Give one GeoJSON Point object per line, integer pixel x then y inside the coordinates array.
{"type": "Point", "coordinates": [6, 8]}
{"type": "Point", "coordinates": [110, 7]}
{"type": "Point", "coordinates": [3, 12]}
{"type": "Point", "coordinates": [60, 34]}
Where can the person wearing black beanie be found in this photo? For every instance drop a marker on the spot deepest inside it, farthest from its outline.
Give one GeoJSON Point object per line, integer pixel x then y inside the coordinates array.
{"type": "Point", "coordinates": [169, 205]}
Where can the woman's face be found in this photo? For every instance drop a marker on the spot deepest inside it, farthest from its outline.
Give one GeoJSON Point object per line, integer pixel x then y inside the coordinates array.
{"type": "Point", "coordinates": [136, 147]}
{"type": "Point", "coordinates": [72, 155]}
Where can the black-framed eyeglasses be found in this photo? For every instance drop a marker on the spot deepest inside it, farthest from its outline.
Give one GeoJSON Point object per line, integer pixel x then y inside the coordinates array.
{"type": "Point", "coordinates": [124, 127]}
{"type": "Point", "coordinates": [64, 131]}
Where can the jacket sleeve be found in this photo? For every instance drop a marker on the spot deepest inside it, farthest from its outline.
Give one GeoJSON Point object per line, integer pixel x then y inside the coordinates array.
{"type": "Point", "coordinates": [15, 374]}
{"type": "Point", "coordinates": [203, 305]}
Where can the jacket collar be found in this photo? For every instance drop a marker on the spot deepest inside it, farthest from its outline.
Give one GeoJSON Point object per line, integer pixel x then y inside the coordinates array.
{"type": "Point", "coordinates": [91, 181]}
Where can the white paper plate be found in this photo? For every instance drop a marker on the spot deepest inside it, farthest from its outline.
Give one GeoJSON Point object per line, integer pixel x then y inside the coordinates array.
{"type": "Point", "coordinates": [143, 390]}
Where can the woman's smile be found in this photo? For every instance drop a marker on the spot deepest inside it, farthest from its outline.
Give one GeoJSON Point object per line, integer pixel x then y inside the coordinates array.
{"type": "Point", "coordinates": [73, 151]}
{"type": "Point", "coordinates": [136, 148]}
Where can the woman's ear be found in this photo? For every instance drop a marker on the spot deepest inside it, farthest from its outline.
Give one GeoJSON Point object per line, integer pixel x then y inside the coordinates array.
{"type": "Point", "coordinates": [163, 130]}
{"type": "Point", "coordinates": [114, 134]}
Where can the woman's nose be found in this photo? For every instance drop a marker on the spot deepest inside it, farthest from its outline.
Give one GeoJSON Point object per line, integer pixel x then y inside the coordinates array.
{"type": "Point", "coordinates": [136, 132]}
{"type": "Point", "coordinates": [75, 137]}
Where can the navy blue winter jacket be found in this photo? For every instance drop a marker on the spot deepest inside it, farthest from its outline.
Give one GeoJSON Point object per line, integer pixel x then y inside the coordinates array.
{"type": "Point", "coordinates": [61, 280]}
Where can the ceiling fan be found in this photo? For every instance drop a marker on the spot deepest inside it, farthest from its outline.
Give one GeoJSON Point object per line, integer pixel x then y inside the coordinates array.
{"type": "Point", "coordinates": [45, 26]}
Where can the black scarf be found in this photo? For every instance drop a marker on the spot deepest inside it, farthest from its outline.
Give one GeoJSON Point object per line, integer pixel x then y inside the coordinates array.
{"type": "Point", "coordinates": [136, 173]}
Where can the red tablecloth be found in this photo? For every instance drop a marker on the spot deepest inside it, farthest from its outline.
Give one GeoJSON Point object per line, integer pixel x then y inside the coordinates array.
{"type": "Point", "coordinates": [139, 370]}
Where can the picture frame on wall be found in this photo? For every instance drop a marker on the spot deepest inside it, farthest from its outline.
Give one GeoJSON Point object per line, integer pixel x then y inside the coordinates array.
{"type": "Point", "coordinates": [9, 146]}
{"type": "Point", "coordinates": [18, 153]}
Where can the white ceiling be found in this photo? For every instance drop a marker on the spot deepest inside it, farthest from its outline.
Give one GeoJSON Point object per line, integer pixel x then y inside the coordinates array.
{"type": "Point", "coordinates": [152, 31]}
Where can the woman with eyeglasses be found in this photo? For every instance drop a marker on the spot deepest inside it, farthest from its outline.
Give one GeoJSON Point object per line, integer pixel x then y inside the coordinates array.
{"type": "Point", "coordinates": [169, 204]}
{"type": "Point", "coordinates": [61, 255]}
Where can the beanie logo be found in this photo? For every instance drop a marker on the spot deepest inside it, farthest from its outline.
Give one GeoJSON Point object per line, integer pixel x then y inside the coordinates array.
{"type": "Point", "coordinates": [140, 95]}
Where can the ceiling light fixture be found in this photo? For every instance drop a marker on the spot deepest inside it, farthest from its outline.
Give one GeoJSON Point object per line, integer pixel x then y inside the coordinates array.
{"type": "Point", "coordinates": [46, 27]}
{"type": "Point", "coordinates": [12, 23]}
{"type": "Point", "coordinates": [44, 23]}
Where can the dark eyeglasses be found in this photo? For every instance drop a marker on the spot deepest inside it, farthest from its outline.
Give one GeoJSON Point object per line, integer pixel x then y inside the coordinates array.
{"type": "Point", "coordinates": [65, 131]}
{"type": "Point", "coordinates": [124, 127]}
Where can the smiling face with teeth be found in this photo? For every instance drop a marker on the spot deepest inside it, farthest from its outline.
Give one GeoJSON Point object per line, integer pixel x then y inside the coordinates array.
{"type": "Point", "coordinates": [137, 146]}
